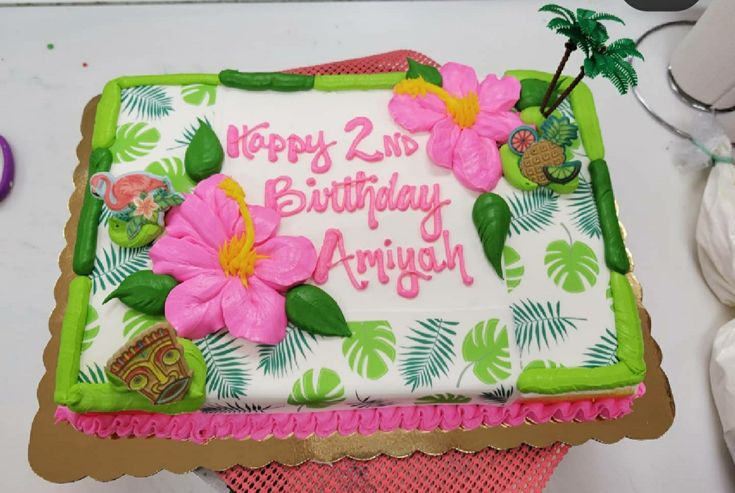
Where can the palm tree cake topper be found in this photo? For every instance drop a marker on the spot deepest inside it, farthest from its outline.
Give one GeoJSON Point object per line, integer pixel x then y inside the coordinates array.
{"type": "Point", "coordinates": [585, 30]}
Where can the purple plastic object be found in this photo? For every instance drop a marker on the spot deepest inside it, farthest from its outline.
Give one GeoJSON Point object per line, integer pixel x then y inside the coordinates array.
{"type": "Point", "coordinates": [8, 167]}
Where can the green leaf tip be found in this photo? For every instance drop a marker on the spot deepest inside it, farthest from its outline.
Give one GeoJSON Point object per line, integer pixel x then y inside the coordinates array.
{"type": "Point", "coordinates": [491, 216]}
{"type": "Point", "coordinates": [427, 72]}
{"type": "Point", "coordinates": [313, 310]}
{"type": "Point", "coordinates": [205, 154]}
{"type": "Point", "coordinates": [144, 291]}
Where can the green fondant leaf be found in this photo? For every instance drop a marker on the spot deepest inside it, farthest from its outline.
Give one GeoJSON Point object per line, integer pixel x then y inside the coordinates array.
{"type": "Point", "coordinates": [604, 352]}
{"type": "Point", "coordinates": [535, 322]}
{"type": "Point", "coordinates": [427, 72]}
{"type": "Point", "coordinates": [571, 265]}
{"type": "Point", "coordinates": [135, 322]}
{"type": "Point", "coordinates": [188, 133]}
{"type": "Point", "coordinates": [133, 141]}
{"type": "Point", "coordinates": [93, 374]}
{"type": "Point", "coordinates": [204, 155]}
{"type": "Point", "coordinates": [114, 264]}
{"type": "Point", "coordinates": [91, 329]}
{"type": "Point", "coordinates": [144, 291]}
{"type": "Point", "coordinates": [143, 233]}
{"type": "Point", "coordinates": [443, 399]}
{"type": "Point", "coordinates": [198, 94]}
{"type": "Point", "coordinates": [429, 353]}
{"type": "Point", "coordinates": [499, 395]}
{"type": "Point", "coordinates": [486, 349]}
{"type": "Point", "coordinates": [533, 210]}
{"type": "Point", "coordinates": [281, 359]}
{"type": "Point", "coordinates": [532, 93]}
{"type": "Point", "coordinates": [491, 216]}
{"type": "Point", "coordinates": [227, 371]}
{"type": "Point", "coordinates": [371, 348]}
{"type": "Point", "coordinates": [173, 169]}
{"type": "Point", "coordinates": [311, 309]}
{"type": "Point", "coordinates": [317, 390]}
{"type": "Point", "coordinates": [148, 102]}
{"type": "Point", "coordinates": [513, 269]}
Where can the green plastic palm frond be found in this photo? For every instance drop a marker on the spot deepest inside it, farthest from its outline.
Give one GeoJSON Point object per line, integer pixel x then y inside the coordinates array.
{"type": "Point", "coordinates": [623, 48]}
{"type": "Point", "coordinates": [604, 16]}
{"type": "Point", "coordinates": [537, 322]}
{"type": "Point", "coordinates": [281, 359]}
{"type": "Point", "coordinates": [559, 10]}
{"type": "Point", "coordinates": [430, 353]}
{"type": "Point", "coordinates": [559, 23]}
{"type": "Point", "coordinates": [227, 372]}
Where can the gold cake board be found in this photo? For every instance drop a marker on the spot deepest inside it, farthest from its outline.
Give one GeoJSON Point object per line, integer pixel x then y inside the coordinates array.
{"type": "Point", "coordinates": [59, 453]}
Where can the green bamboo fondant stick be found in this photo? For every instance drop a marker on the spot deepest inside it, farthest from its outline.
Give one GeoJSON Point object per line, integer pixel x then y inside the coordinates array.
{"type": "Point", "coordinates": [262, 81]}
{"type": "Point", "coordinates": [347, 82]}
{"type": "Point", "coordinates": [627, 324]}
{"type": "Point", "coordinates": [616, 257]}
{"type": "Point", "coordinates": [72, 331]}
{"type": "Point", "coordinates": [105, 120]}
{"type": "Point", "coordinates": [85, 246]}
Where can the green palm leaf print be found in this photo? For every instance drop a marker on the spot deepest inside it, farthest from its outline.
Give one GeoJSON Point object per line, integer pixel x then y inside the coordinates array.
{"type": "Point", "coordinates": [486, 350]}
{"type": "Point", "coordinates": [91, 328]}
{"type": "Point", "coordinates": [532, 211]}
{"type": "Point", "coordinates": [198, 94]}
{"type": "Point", "coordinates": [499, 395]}
{"type": "Point", "coordinates": [584, 209]}
{"type": "Point", "coordinates": [443, 399]}
{"type": "Point", "coordinates": [135, 322]}
{"type": "Point", "coordinates": [227, 371]}
{"type": "Point", "coordinates": [173, 169]}
{"type": "Point", "coordinates": [317, 390]}
{"type": "Point", "coordinates": [571, 265]}
{"type": "Point", "coordinates": [513, 269]}
{"type": "Point", "coordinates": [281, 359]}
{"type": "Point", "coordinates": [370, 349]}
{"type": "Point", "coordinates": [536, 322]}
{"type": "Point", "coordinates": [93, 374]}
{"type": "Point", "coordinates": [114, 264]}
{"type": "Point", "coordinates": [430, 353]}
{"type": "Point", "coordinates": [148, 102]}
{"type": "Point", "coordinates": [133, 141]}
{"type": "Point", "coordinates": [234, 408]}
{"type": "Point", "coordinates": [604, 352]}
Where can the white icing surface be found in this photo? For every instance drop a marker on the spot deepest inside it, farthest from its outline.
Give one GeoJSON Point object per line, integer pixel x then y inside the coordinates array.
{"type": "Point", "coordinates": [443, 297]}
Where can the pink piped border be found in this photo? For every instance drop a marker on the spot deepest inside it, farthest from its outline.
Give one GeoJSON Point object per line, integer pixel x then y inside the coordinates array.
{"type": "Point", "coordinates": [201, 427]}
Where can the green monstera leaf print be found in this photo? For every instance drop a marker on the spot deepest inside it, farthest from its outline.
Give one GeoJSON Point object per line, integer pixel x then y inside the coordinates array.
{"type": "Point", "coordinates": [486, 349]}
{"type": "Point", "coordinates": [173, 169]}
{"type": "Point", "coordinates": [571, 265]}
{"type": "Point", "coordinates": [198, 94]}
{"type": "Point", "coordinates": [91, 328]}
{"type": "Point", "coordinates": [443, 399]}
{"type": "Point", "coordinates": [133, 141]}
{"type": "Point", "coordinates": [370, 349]}
{"type": "Point", "coordinates": [513, 269]}
{"type": "Point", "coordinates": [317, 390]}
{"type": "Point", "coordinates": [135, 322]}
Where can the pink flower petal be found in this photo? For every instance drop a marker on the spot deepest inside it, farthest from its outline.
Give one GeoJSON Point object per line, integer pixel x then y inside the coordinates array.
{"type": "Point", "coordinates": [183, 258]}
{"type": "Point", "coordinates": [265, 222]}
{"type": "Point", "coordinates": [496, 126]}
{"type": "Point", "coordinates": [417, 114]}
{"type": "Point", "coordinates": [199, 221]}
{"type": "Point", "coordinates": [291, 260]}
{"type": "Point", "coordinates": [441, 142]}
{"type": "Point", "coordinates": [476, 161]}
{"type": "Point", "coordinates": [194, 307]}
{"type": "Point", "coordinates": [458, 79]}
{"type": "Point", "coordinates": [499, 94]}
{"type": "Point", "coordinates": [256, 313]}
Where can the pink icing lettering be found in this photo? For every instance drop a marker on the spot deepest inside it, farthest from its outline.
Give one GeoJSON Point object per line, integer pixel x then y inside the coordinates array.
{"type": "Point", "coordinates": [456, 256]}
{"type": "Point", "coordinates": [374, 258]}
{"type": "Point", "coordinates": [282, 198]}
{"type": "Point", "coordinates": [434, 214]}
{"type": "Point", "coordinates": [392, 145]}
{"type": "Point", "coordinates": [409, 145]}
{"type": "Point", "coordinates": [333, 240]}
{"type": "Point", "coordinates": [367, 128]}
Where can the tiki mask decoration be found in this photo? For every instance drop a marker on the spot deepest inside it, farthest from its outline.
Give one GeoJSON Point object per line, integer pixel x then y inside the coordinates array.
{"type": "Point", "coordinates": [153, 365]}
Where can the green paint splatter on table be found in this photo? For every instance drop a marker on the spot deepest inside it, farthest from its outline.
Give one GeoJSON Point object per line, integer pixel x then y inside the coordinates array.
{"type": "Point", "coordinates": [50, 46]}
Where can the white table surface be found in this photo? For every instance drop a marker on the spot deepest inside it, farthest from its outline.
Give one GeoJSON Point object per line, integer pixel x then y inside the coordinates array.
{"type": "Point", "coordinates": [42, 93]}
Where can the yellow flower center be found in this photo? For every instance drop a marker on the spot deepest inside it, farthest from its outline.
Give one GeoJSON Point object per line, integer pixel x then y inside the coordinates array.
{"type": "Point", "coordinates": [237, 256]}
{"type": "Point", "coordinates": [462, 110]}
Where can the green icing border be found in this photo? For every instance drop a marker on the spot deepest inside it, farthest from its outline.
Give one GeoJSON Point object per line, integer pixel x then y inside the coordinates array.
{"type": "Point", "coordinates": [616, 257]}
{"type": "Point", "coordinates": [630, 370]}
{"type": "Point", "coordinates": [106, 397]}
{"type": "Point", "coordinates": [102, 397]}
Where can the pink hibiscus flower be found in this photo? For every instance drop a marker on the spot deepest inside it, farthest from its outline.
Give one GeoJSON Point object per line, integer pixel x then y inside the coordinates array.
{"type": "Point", "coordinates": [467, 120]}
{"type": "Point", "coordinates": [231, 267]}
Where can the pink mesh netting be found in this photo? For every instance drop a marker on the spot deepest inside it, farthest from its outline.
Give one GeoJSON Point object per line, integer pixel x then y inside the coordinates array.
{"type": "Point", "coordinates": [524, 469]}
